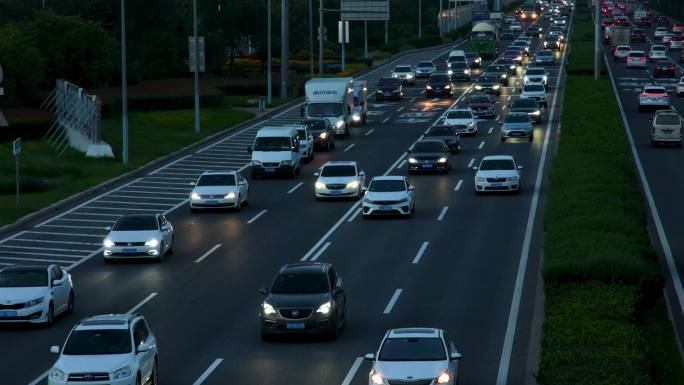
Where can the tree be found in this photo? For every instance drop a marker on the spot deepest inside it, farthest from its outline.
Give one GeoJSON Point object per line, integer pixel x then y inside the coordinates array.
{"type": "Point", "coordinates": [22, 65]}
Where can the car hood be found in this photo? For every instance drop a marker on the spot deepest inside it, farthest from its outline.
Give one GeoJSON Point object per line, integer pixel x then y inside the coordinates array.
{"type": "Point", "coordinates": [454, 122]}
{"type": "Point", "coordinates": [403, 370]}
{"type": "Point", "coordinates": [388, 88]}
{"type": "Point", "coordinates": [21, 294]}
{"type": "Point", "coordinates": [92, 364]}
{"type": "Point", "coordinates": [496, 173]}
{"type": "Point", "coordinates": [336, 179]}
{"type": "Point", "coordinates": [298, 300]}
{"type": "Point", "coordinates": [516, 126]}
{"type": "Point", "coordinates": [437, 84]}
{"type": "Point", "coordinates": [271, 156]}
{"type": "Point", "coordinates": [446, 138]}
{"type": "Point", "coordinates": [133, 236]}
{"type": "Point", "coordinates": [386, 196]}
{"type": "Point", "coordinates": [214, 190]}
{"type": "Point", "coordinates": [524, 109]}
{"type": "Point", "coordinates": [533, 93]}
{"type": "Point", "coordinates": [480, 105]}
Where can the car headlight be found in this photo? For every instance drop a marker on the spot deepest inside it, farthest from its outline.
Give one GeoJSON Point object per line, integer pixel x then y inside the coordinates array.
{"type": "Point", "coordinates": [256, 163]}
{"type": "Point", "coordinates": [526, 79]}
{"type": "Point", "coordinates": [477, 60]}
{"type": "Point", "coordinates": [429, 87]}
{"type": "Point", "coordinates": [513, 66]}
{"type": "Point", "coordinates": [376, 378]}
{"type": "Point", "coordinates": [478, 87]}
{"type": "Point", "coordinates": [395, 75]}
{"type": "Point", "coordinates": [409, 76]}
{"type": "Point", "coordinates": [320, 185]}
{"type": "Point", "coordinates": [57, 375]}
{"type": "Point", "coordinates": [34, 302]}
{"type": "Point", "coordinates": [339, 124]}
{"type": "Point", "coordinates": [286, 163]}
{"type": "Point", "coordinates": [325, 308]}
{"type": "Point", "coordinates": [470, 124]}
{"type": "Point", "coordinates": [496, 86]}
{"type": "Point", "coordinates": [536, 113]}
{"type": "Point", "coordinates": [404, 200]}
{"type": "Point", "coordinates": [447, 87]}
{"type": "Point", "coordinates": [442, 160]}
{"type": "Point", "coordinates": [230, 195]}
{"type": "Point", "coordinates": [267, 308]}
{"type": "Point", "coordinates": [353, 184]}
{"type": "Point", "coordinates": [479, 179]}
{"type": "Point", "coordinates": [152, 243]}
{"type": "Point", "coordinates": [545, 78]}
{"type": "Point", "coordinates": [121, 373]}
{"type": "Point", "coordinates": [504, 76]}
{"type": "Point", "coordinates": [108, 243]}
{"type": "Point", "coordinates": [443, 378]}
{"type": "Point", "coordinates": [466, 71]}
{"type": "Point", "coordinates": [323, 135]}
{"type": "Point", "coordinates": [193, 196]}
{"type": "Point", "coordinates": [450, 72]}
{"type": "Point", "coordinates": [356, 117]}
{"type": "Point", "coordinates": [412, 160]}
{"type": "Point", "coordinates": [518, 58]}
{"type": "Point", "coordinates": [512, 179]}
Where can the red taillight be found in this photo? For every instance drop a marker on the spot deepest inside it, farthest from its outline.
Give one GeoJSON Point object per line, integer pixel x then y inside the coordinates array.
{"type": "Point", "coordinates": [630, 59]}
{"type": "Point", "coordinates": [642, 59]}
{"type": "Point", "coordinates": [670, 68]}
{"type": "Point", "coordinates": [657, 67]}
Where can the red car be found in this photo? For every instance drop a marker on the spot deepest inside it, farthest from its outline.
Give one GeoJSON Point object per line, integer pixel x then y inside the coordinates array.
{"type": "Point", "coordinates": [482, 105]}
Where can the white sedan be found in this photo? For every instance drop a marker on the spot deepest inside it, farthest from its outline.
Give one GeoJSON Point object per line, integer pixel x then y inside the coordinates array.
{"type": "Point", "coordinates": [680, 87]}
{"type": "Point", "coordinates": [389, 195]}
{"type": "Point", "coordinates": [497, 173]}
{"type": "Point", "coordinates": [462, 118]}
{"type": "Point", "coordinates": [653, 97]}
{"type": "Point", "coordinates": [139, 236]}
{"type": "Point", "coordinates": [219, 189]}
{"type": "Point", "coordinates": [535, 91]}
{"type": "Point", "coordinates": [657, 52]}
{"type": "Point", "coordinates": [34, 294]}
{"type": "Point", "coordinates": [339, 179]}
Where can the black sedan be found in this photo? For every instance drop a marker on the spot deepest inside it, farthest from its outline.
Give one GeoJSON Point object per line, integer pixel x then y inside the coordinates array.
{"type": "Point", "coordinates": [429, 155]}
{"type": "Point", "coordinates": [449, 134]}
{"type": "Point", "coordinates": [322, 132]}
{"type": "Point", "coordinates": [489, 84]}
{"type": "Point", "coordinates": [459, 71]}
{"type": "Point", "coordinates": [664, 68]}
{"type": "Point", "coordinates": [500, 71]}
{"type": "Point", "coordinates": [637, 34]}
{"type": "Point", "coordinates": [531, 106]}
{"type": "Point", "coordinates": [439, 84]}
{"type": "Point", "coordinates": [389, 88]}
{"type": "Point", "coordinates": [305, 298]}
{"type": "Point", "coordinates": [510, 64]}
{"type": "Point", "coordinates": [533, 31]}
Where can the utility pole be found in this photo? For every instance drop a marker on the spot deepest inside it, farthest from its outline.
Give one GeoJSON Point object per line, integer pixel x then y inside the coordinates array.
{"type": "Point", "coordinates": [365, 39]}
{"type": "Point", "coordinates": [597, 32]}
{"type": "Point", "coordinates": [311, 40]}
{"type": "Point", "coordinates": [284, 47]}
{"type": "Point", "coordinates": [197, 67]}
{"type": "Point", "coordinates": [124, 87]}
{"type": "Point", "coordinates": [320, 37]}
{"type": "Point", "coordinates": [386, 31]}
{"type": "Point", "coordinates": [439, 18]}
{"type": "Point", "coordinates": [269, 60]}
{"type": "Point", "coordinates": [420, 19]}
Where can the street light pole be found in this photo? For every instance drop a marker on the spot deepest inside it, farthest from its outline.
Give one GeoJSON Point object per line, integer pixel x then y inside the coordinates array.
{"type": "Point", "coordinates": [439, 18]}
{"type": "Point", "coordinates": [320, 37]}
{"type": "Point", "coordinates": [420, 19]}
{"type": "Point", "coordinates": [597, 32]}
{"type": "Point", "coordinates": [197, 67]}
{"type": "Point", "coordinates": [311, 39]}
{"type": "Point", "coordinates": [269, 69]}
{"type": "Point", "coordinates": [284, 47]}
{"type": "Point", "coordinates": [124, 87]}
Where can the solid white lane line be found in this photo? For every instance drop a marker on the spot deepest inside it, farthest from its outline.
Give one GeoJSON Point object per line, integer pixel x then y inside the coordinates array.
{"type": "Point", "coordinates": [506, 351]}
{"type": "Point", "coordinates": [442, 213]}
{"type": "Point", "coordinates": [321, 251]}
{"type": "Point", "coordinates": [420, 253]}
{"type": "Point", "coordinates": [413, 100]}
{"type": "Point", "coordinates": [392, 301]}
{"type": "Point", "coordinates": [482, 143]}
{"type": "Point", "coordinates": [298, 185]}
{"type": "Point", "coordinates": [40, 378]}
{"type": "Point", "coordinates": [352, 371]}
{"type": "Point", "coordinates": [142, 303]}
{"type": "Point", "coordinates": [369, 132]}
{"type": "Point", "coordinates": [386, 119]}
{"type": "Point", "coordinates": [208, 372]}
{"type": "Point", "coordinates": [470, 164]}
{"type": "Point", "coordinates": [349, 147]}
{"type": "Point", "coordinates": [491, 129]}
{"type": "Point", "coordinates": [254, 218]}
{"type": "Point", "coordinates": [400, 108]}
{"type": "Point", "coordinates": [400, 165]}
{"type": "Point", "coordinates": [200, 259]}
{"type": "Point", "coordinates": [458, 185]}
{"type": "Point", "coordinates": [356, 214]}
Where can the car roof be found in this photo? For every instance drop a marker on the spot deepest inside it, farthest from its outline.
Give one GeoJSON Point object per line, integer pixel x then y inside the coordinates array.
{"type": "Point", "coordinates": [498, 157]}
{"type": "Point", "coordinates": [402, 65]}
{"type": "Point", "coordinates": [388, 177]}
{"type": "Point", "coordinates": [107, 321]}
{"type": "Point", "coordinates": [414, 333]}
{"type": "Point", "coordinates": [340, 163]}
{"type": "Point", "coordinates": [279, 131]}
{"type": "Point", "coordinates": [654, 86]}
{"type": "Point", "coordinates": [304, 267]}
{"type": "Point", "coordinates": [219, 172]}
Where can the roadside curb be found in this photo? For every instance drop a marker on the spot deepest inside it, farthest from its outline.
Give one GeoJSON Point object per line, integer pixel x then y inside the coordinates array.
{"type": "Point", "coordinates": [72, 200]}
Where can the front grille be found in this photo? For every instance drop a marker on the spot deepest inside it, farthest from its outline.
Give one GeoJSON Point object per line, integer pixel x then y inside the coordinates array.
{"type": "Point", "coordinates": [214, 196]}
{"type": "Point", "coordinates": [496, 180]}
{"type": "Point", "coordinates": [270, 164]}
{"type": "Point", "coordinates": [129, 243]}
{"type": "Point", "coordinates": [386, 203]}
{"type": "Point", "coordinates": [87, 377]}
{"type": "Point", "coordinates": [295, 313]}
{"type": "Point", "coordinates": [335, 186]}
{"type": "Point", "coordinates": [409, 382]}
{"type": "Point", "coordinates": [14, 306]}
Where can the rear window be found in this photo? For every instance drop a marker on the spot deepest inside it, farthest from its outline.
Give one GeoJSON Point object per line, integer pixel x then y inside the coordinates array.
{"type": "Point", "coordinates": [654, 91]}
{"type": "Point", "coordinates": [636, 54]}
{"type": "Point", "coordinates": [667, 119]}
{"type": "Point", "coordinates": [535, 72]}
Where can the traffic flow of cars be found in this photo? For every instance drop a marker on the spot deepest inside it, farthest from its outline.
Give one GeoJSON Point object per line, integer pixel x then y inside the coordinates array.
{"type": "Point", "coordinates": [509, 95]}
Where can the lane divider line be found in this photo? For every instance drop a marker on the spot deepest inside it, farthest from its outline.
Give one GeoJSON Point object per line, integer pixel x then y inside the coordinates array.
{"type": "Point", "coordinates": [254, 218]}
{"type": "Point", "coordinates": [482, 143]}
{"type": "Point", "coordinates": [400, 109]}
{"type": "Point", "coordinates": [369, 132]}
{"type": "Point", "coordinates": [385, 120]}
{"type": "Point", "coordinates": [392, 301]}
{"type": "Point", "coordinates": [472, 161]}
{"type": "Point", "coordinates": [321, 251]}
{"type": "Point", "coordinates": [200, 259]}
{"type": "Point", "coordinates": [400, 165]}
{"type": "Point", "coordinates": [442, 213]}
{"type": "Point", "coordinates": [349, 147]}
{"type": "Point", "coordinates": [142, 303]}
{"type": "Point", "coordinates": [356, 214]}
{"type": "Point", "coordinates": [293, 189]}
{"type": "Point", "coordinates": [491, 129]}
{"type": "Point", "coordinates": [458, 185]}
{"type": "Point", "coordinates": [420, 253]}
{"type": "Point", "coordinates": [208, 372]}
{"type": "Point", "coordinates": [352, 371]}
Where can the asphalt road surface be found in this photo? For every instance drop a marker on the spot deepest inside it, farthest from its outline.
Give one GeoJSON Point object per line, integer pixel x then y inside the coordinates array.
{"type": "Point", "coordinates": [476, 276]}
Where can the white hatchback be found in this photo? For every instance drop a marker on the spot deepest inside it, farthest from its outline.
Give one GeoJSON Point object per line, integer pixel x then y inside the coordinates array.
{"type": "Point", "coordinates": [34, 294]}
{"type": "Point", "coordinates": [339, 179]}
{"type": "Point", "coordinates": [657, 52]}
{"type": "Point", "coordinates": [462, 117]}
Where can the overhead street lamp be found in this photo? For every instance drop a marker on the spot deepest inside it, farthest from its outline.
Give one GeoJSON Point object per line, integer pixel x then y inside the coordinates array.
{"type": "Point", "coordinates": [124, 87]}
{"type": "Point", "coordinates": [284, 47]}
{"type": "Point", "coordinates": [269, 61]}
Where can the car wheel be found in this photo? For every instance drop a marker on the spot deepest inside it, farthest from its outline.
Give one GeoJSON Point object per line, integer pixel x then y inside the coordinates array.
{"type": "Point", "coordinates": [70, 303]}
{"type": "Point", "coordinates": [531, 138]}
{"type": "Point", "coordinates": [154, 376]}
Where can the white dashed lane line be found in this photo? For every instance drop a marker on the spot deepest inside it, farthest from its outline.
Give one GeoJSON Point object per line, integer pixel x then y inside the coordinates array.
{"type": "Point", "coordinates": [442, 213]}
{"type": "Point", "coordinates": [481, 146]}
{"type": "Point", "coordinates": [200, 259]}
{"type": "Point", "coordinates": [386, 120]}
{"type": "Point", "coordinates": [349, 147]}
{"type": "Point", "coordinates": [392, 301]}
{"type": "Point", "coordinates": [321, 251]}
{"type": "Point", "coordinates": [254, 218]}
{"type": "Point", "coordinates": [353, 216]}
{"type": "Point", "coordinates": [369, 132]}
{"type": "Point", "coordinates": [458, 185]}
{"type": "Point", "coordinates": [293, 189]}
{"type": "Point", "coordinates": [470, 164]}
{"type": "Point", "coordinates": [491, 129]}
{"type": "Point", "coordinates": [400, 165]}
{"type": "Point", "coordinates": [420, 252]}
{"type": "Point", "coordinates": [208, 372]}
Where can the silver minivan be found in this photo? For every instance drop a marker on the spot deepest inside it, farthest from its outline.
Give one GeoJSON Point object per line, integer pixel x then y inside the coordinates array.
{"type": "Point", "coordinates": [666, 127]}
{"type": "Point", "coordinates": [275, 152]}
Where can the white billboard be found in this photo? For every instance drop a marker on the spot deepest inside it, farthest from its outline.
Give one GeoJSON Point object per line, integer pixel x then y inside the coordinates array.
{"type": "Point", "coordinates": [365, 10]}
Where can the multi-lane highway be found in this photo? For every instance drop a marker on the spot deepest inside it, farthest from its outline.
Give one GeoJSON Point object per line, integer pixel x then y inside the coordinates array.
{"type": "Point", "coordinates": [659, 167]}
{"type": "Point", "coordinates": [465, 263]}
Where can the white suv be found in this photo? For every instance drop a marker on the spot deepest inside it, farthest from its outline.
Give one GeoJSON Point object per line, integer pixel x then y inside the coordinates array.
{"type": "Point", "coordinates": [415, 356]}
{"type": "Point", "coordinates": [405, 73]}
{"type": "Point", "coordinates": [114, 349]}
{"type": "Point", "coordinates": [338, 179]}
{"type": "Point", "coordinates": [666, 127]}
{"type": "Point", "coordinates": [389, 195]}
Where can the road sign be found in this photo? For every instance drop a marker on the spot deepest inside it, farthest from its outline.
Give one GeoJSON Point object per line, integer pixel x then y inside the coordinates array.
{"type": "Point", "coordinates": [16, 147]}
{"type": "Point", "coordinates": [365, 10]}
{"type": "Point", "coordinates": [191, 53]}
{"type": "Point", "coordinates": [325, 33]}
{"type": "Point", "coordinates": [343, 30]}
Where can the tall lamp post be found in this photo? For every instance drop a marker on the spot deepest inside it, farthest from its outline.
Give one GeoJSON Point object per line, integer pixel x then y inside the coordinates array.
{"type": "Point", "coordinates": [124, 87]}
{"type": "Point", "coordinates": [269, 69]}
{"type": "Point", "coordinates": [197, 67]}
{"type": "Point", "coordinates": [284, 47]}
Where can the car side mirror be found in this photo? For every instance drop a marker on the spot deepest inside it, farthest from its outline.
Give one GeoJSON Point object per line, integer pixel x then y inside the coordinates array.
{"type": "Point", "coordinates": [412, 188]}
{"type": "Point", "coordinates": [108, 228]}
{"type": "Point", "coordinates": [369, 357]}
{"type": "Point", "coordinates": [192, 183]}
{"type": "Point", "coordinates": [338, 290]}
{"type": "Point", "coordinates": [54, 349]}
{"type": "Point", "coordinates": [520, 167]}
{"type": "Point", "coordinates": [249, 149]}
{"type": "Point", "coordinates": [142, 349]}
{"type": "Point", "coordinates": [455, 356]}
{"type": "Point", "coordinates": [362, 173]}
{"type": "Point", "coordinates": [263, 290]}
{"type": "Point", "coordinates": [56, 282]}
{"type": "Point", "coordinates": [242, 182]}
{"type": "Point", "coordinates": [475, 168]}
{"type": "Point", "coordinates": [317, 174]}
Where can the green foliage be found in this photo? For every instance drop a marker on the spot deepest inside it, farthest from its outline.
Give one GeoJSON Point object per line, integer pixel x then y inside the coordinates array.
{"type": "Point", "coordinates": [22, 64]}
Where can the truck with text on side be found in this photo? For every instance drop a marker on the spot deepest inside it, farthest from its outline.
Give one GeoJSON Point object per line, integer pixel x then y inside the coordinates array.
{"type": "Point", "coordinates": [483, 39]}
{"type": "Point", "coordinates": [333, 99]}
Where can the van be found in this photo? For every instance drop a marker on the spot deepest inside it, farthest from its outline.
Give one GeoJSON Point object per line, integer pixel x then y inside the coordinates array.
{"type": "Point", "coordinates": [275, 152]}
{"type": "Point", "coordinates": [360, 103]}
{"type": "Point", "coordinates": [457, 55]}
{"type": "Point", "coordinates": [666, 127]}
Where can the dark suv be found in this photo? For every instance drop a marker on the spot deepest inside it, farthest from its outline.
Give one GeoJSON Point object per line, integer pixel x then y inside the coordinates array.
{"type": "Point", "coordinates": [304, 298]}
{"type": "Point", "coordinates": [664, 68]}
{"type": "Point", "coordinates": [322, 133]}
{"type": "Point", "coordinates": [389, 88]}
{"type": "Point", "coordinates": [439, 84]}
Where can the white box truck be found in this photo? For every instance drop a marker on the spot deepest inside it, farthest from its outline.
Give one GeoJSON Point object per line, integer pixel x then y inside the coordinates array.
{"type": "Point", "coordinates": [333, 99]}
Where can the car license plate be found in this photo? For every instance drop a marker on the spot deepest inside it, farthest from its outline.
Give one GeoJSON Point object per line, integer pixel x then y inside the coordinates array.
{"type": "Point", "coordinates": [269, 170]}
{"type": "Point", "coordinates": [8, 313]}
{"type": "Point", "coordinates": [497, 184]}
{"type": "Point", "coordinates": [211, 202]}
{"type": "Point", "coordinates": [295, 325]}
{"type": "Point", "coordinates": [130, 251]}
{"type": "Point", "coordinates": [427, 166]}
{"type": "Point", "coordinates": [516, 133]}
{"type": "Point", "coordinates": [385, 208]}
{"type": "Point", "coordinates": [667, 131]}
{"type": "Point", "coordinates": [335, 192]}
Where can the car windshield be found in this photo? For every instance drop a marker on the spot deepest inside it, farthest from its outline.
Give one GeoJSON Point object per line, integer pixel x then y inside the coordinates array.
{"type": "Point", "coordinates": [301, 134]}
{"type": "Point", "coordinates": [402, 69]}
{"type": "Point", "coordinates": [333, 171]}
{"type": "Point", "coordinates": [388, 82]}
{"type": "Point", "coordinates": [325, 109]}
{"type": "Point", "coordinates": [487, 79]}
{"type": "Point", "coordinates": [497, 164]}
{"type": "Point", "coordinates": [533, 88]}
{"type": "Point", "coordinates": [300, 283]}
{"type": "Point", "coordinates": [667, 119]}
{"type": "Point", "coordinates": [315, 125]}
{"type": "Point", "coordinates": [535, 72]}
{"type": "Point", "coordinates": [426, 64]}
{"type": "Point", "coordinates": [517, 118]}
{"type": "Point", "coordinates": [544, 53]}
{"type": "Point", "coordinates": [460, 115]}
{"type": "Point", "coordinates": [442, 131]}
{"type": "Point", "coordinates": [480, 100]}
{"type": "Point", "coordinates": [387, 186]}
{"type": "Point", "coordinates": [439, 78]}
{"type": "Point", "coordinates": [95, 342]}
{"type": "Point", "coordinates": [272, 143]}
{"type": "Point", "coordinates": [136, 223]}
{"type": "Point", "coordinates": [412, 349]}
{"type": "Point", "coordinates": [658, 48]}
{"type": "Point", "coordinates": [428, 147]}
{"type": "Point", "coordinates": [24, 278]}
{"type": "Point", "coordinates": [217, 180]}
{"type": "Point", "coordinates": [524, 103]}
